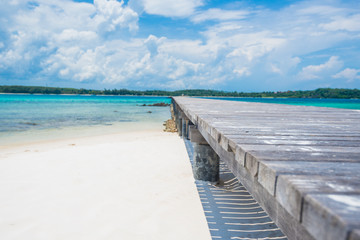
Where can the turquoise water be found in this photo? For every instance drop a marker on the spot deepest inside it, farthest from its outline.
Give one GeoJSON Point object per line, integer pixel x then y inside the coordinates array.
{"type": "Point", "coordinates": [317, 102]}
{"type": "Point", "coordinates": [30, 115]}
{"type": "Point", "coordinates": [47, 117]}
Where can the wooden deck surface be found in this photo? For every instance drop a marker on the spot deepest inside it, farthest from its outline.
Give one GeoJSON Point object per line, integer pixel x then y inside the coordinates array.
{"type": "Point", "coordinates": [302, 164]}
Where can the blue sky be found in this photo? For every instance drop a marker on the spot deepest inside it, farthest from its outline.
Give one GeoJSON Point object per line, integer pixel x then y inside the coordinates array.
{"type": "Point", "coordinates": [251, 45]}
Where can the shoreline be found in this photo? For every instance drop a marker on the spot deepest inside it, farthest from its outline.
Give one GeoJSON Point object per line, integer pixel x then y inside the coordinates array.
{"type": "Point", "coordinates": [10, 139]}
{"type": "Point", "coordinates": [131, 185]}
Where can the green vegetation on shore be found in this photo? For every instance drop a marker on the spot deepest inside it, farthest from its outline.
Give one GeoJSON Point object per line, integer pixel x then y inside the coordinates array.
{"type": "Point", "coordinates": [318, 93]}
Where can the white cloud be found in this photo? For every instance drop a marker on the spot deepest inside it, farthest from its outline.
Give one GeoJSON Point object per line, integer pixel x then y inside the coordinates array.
{"type": "Point", "coordinates": [350, 74]}
{"type": "Point", "coordinates": [112, 14]}
{"type": "Point", "coordinates": [220, 15]}
{"type": "Point", "coordinates": [152, 44]}
{"type": "Point", "coordinates": [349, 23]}
{"type": "Point", "coordinates": [322, 10]}
{"type": "Point", "coordinates": [275, 69]}
{"type": "Point", "coordinates": [242, 71]}
{"type": "Point", "coordinates": [255, 45]}
{"type": "Point", "coordinates": [318, 71]}
{"type": "Point", "coordinates": [8, 58]}
{"type": "Point", "coordinates": [72, 36]}
{"type": "Point", "coordinates": [283, 65]}
{"type": "Point", "coordinates": [65, 37]}
{"type": "Point", "coordinates": [171, 8]}
{"type": "Point", "coordinates": [189, 50]}
{"type": "Point", "coordinates": [160, 67]}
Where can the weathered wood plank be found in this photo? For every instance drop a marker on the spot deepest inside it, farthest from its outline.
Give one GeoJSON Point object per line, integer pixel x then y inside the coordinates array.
{"type": "Point", "coordinates": [246, 154]}
{"type": "Point", "coordinates": [270, 170]}
{"type": "Point", "coordinates": [256, 155]}
{"type": "Point", "coordinates": [233, 140]}
{"type": "Point", "coordinates": [331, 216]}
{"type": "Point", "coordinates": [291, 189]}
{"type": "Point", "coordinates": [294, 137]}
{"type": "Point", "coordinates": [297, 142]}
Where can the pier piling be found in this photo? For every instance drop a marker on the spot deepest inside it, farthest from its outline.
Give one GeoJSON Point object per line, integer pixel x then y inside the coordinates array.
{"type": "Point", "coordinates": [206, 161]}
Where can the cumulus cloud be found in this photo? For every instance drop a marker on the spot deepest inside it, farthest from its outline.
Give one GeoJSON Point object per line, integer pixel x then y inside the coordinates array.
{"type": "Point", "coordinates": [112, 14]}
{"type": "Point", "coordinates": [350, 23]}
{"type": "Point", "coordinates": [318, 71]}
{"type": "Point", "coordinates": [350, 74]}
{"type": "Point", "coordinates": [73, 63]}
{"type": "Point", "coordinates": [160, 67]}
{"type": "Point", "coordinates": [255, 45]}
{"type": "Point", "coordinates": [242, 71]}
{"type": "Point", "coordinates": [171, 8]}
{"type": "Point", "coordinates": [72, 36]}
{"type": "Point", "coordinates": [319, 9]}
{"type": "Point", "coordinates": [62, 38]}
{"type": "Point", "coordinates": [152, 44]}
{"type": "Point", "coordinates": [219, 15]}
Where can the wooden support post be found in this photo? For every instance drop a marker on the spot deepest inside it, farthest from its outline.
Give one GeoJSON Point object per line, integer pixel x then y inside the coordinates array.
{"type": "Point", "coordinates": [185, 127]}
{"type": "Point", "coordinates": [206, 161]}
{"type": "Point", "coordinates": [177, 118]}
{"type": "Point", "coordinates": [174, 109]}
{"type": "Point", "coordinates": [188, 125]}
{"type": "Point", "coordinates": [179, 125]}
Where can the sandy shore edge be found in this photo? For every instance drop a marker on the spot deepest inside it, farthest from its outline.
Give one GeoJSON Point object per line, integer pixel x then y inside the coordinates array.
{"type": "Point", "coordinates": [135, 185]}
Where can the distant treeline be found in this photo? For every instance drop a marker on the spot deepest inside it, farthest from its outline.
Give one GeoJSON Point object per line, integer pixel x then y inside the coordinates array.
{"type": "Point", "coordinates": [318, 93]}
{"type": "Point", "coordinates": [46, 90]}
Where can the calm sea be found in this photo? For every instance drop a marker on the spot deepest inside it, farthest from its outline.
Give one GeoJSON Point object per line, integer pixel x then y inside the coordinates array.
{"type": "Point", "coordinates": [317, 102]}
{"type": "Point", "coordinates": [43, 117]}
{"type": "Point", "coordinates": [28, 118]}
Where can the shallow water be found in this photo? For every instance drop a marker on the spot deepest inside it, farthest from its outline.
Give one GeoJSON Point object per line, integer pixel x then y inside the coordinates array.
{"type": "Point", "coordinates": [38, 117]}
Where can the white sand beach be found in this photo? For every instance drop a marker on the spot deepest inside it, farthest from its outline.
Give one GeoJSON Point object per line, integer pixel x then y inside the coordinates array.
{"type": "Point", "coordinates": [135, 185]}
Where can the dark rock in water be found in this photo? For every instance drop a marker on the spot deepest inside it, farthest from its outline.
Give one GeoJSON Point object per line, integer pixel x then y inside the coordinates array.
{"type": "Point", "coordinates": [161, 104]}
{"type": "Point", "coordinates": [149, 111]}
{"type": "Point", "coordinates": [30, 123]}
{"type": "Point", "coordinates": [115, 111]}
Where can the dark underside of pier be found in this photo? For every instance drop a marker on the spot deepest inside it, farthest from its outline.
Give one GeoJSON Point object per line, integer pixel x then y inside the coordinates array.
{"type": "Point", "coordinates": [230, 210]}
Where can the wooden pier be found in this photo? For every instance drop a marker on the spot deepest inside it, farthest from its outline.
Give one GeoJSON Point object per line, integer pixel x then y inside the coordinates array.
{"type": "Point", "coordinates": [302, 164]}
